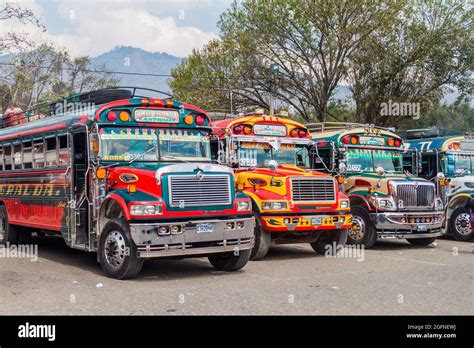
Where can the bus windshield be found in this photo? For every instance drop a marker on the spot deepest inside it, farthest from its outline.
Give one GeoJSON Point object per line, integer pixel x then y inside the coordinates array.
{"type": "Point", "coordinates": [367, 160]}
{"type": "Point", "coordinates": [459, 164]}
{"type": "Point", "coordinates": [253, 154]}
{"type": "Point", "coordinates": [141, 144]}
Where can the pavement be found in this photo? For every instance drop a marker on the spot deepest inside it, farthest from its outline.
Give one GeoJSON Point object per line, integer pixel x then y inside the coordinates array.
{"type": "Point", "coordinates": [393, 277]}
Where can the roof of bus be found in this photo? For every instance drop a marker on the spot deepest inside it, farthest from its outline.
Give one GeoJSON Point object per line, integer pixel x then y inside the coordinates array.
{"type": "Point", "coordinates": [435, 143]}
{"type": "Point", "coordinates": [34, 124]}
{"type": "Point", "coordinates": [336, 135]}
{"type": "Point", "coordinates": [220, 127]}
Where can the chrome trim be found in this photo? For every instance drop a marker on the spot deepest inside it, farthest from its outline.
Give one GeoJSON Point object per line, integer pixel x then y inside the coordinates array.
{"type": "Point", "coordinates": [209, 190]}
{"type": "Point", "coordinates": [388, 221]}
{"type": "Point", "coordinates": [312, 180]}
{"type": "Point", "coordinates": [414, 194]}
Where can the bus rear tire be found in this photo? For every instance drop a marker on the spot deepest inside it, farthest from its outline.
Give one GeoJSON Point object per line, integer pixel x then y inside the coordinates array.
{"type": "Point", "coordinates": [363, 231]}
{"type": "Point", "coordinates": [117, 251]}
{"type": "Point", "coordinates": [460, 225]}
{"type": "Point", "coordinates": [230, 261]}
{"type": "Point", "coordinates": [337, 238]}
{"type": "Point", "coordinates": [421, 241]}
{"type": "Point", "coordinates": [8, 233]}
{"type": "Point", "coordinates": [262, 241]}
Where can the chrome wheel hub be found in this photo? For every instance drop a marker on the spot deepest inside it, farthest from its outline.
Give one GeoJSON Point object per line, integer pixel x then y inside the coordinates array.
{"type": "Point", "coordinates": [463, 224]}
{"type": "Point", "coordinates": [115, 249]}
{"type": "Point", "coordinates": [356, 232]}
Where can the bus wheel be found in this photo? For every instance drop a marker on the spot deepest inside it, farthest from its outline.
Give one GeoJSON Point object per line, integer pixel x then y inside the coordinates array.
{"type": "Point", "coordinates": [362, 231]}
{"type": "Point", "coordinates": [330, 242]}
{"type": "Point", "coordinates": [421, 241]}
{"type": "Point", "coordinates": [8, 233]}
{"type": "Point", "coordinates": [117, 251]}
{"type": "Point", "coordinates": [231, 261]}
{"type": "Point", "coordinates": [262, 241]}
{"type": "Point", "coordinates": [460, 225]}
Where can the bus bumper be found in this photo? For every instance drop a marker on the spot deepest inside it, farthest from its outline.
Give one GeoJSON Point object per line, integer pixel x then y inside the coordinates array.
{"type": "Point", "coordinates": [195, 237]}
{"type": "Point", "coordinates": [405, 225]}
{"type": "Point", "coordinates": [314, 222]}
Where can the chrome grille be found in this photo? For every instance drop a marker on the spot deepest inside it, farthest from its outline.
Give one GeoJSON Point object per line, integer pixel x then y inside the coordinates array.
{"type": "Point", "coordinates": [189, 191]}
{"type": "Point", "coordinates": [311, 189]}
{"type": "Point", "coordinates": [416, 196]}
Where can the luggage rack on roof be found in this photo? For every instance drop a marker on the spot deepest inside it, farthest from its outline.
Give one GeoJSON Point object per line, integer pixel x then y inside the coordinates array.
{"type": "Point", "coordinates": [89, 99]}
{"type": "Point", "coordinates": [321, 127]}
{"type": "Point", "coordinates": [432, 132]}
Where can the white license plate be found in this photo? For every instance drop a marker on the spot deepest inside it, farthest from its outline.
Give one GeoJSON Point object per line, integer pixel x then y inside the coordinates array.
{"type": "Point", "coordinates": [316, 221]}
{"type": "Point", "coordinates": [422, 228]}
{"type": "Point", "coordinates": [204, 228]}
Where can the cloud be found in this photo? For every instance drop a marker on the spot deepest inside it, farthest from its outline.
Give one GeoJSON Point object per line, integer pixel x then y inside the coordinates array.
{"type": "Point", "coordinates": [97, 26]}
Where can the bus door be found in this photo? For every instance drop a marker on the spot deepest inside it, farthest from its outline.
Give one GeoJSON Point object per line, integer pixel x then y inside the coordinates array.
{"type": "Point", "coordinates": [80, 196]}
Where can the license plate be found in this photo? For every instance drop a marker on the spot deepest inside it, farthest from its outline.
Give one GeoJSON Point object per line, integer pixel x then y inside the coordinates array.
{"type": "Point", "coordinates": [316, 221]}
{"type": "Point", "coordinates": [204, 228]}
{"type": "Point", "coordinates": [422, 228]}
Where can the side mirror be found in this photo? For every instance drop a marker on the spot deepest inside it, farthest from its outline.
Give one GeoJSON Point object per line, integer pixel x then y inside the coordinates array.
{"type": "Point", "coordinates": [273, 165]}
{"type": "Point", "coordinates": [380, 171]}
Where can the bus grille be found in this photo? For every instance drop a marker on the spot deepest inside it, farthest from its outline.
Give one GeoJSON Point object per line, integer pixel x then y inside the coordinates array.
{"type": "Point", "coordinates": [416, 195]}
{"type": "Point", "coordinates": [190, 191]}
{"type": "Point", "coordinates": [310, 189]}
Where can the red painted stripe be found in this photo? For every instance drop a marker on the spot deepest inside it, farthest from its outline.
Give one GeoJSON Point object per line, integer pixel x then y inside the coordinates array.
{"type": "Point", "coordinates": [34, 131]}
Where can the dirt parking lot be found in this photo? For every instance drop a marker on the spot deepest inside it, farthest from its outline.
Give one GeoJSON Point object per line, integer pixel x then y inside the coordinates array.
{"type": "Point", "coordinates": [391, 278]}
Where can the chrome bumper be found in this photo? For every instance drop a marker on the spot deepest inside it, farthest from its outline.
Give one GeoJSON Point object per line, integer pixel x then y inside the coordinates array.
{"type": "Point", "coordinates": [401, 225]}
{"type": "Point", "coordinates": [189, 241]}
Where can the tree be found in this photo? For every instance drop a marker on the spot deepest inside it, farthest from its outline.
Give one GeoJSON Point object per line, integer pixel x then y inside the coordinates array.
{"type": "Point", "coordinates": [10, 11]}
{"type": "Point", "coordinates": [46, 74]}
{"type": "Point", "coordinates": [295, 50]}
{"type": "Point", "coordinates": [415, 61]}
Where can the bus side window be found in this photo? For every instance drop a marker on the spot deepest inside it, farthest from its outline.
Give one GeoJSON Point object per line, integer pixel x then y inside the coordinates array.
{"type": "Point", "coordinates": [8, 156]}
{"type": "Point", "coordinates": [51, 155]}
{"type": "Point", "coordinates": [1, 157]}
{"type": "Point", "coordinates": [27, 155]}
{"type": "Point", "coordinates": [64, 154]}
{"type": "Point", "coordinates": [323, 161]}
{"type": "Point", "coordinates": [17, 156]}
{"type": "Point", "coordinates": [38, 154]}
{"type": "Point", "coordinates": [428, 166]}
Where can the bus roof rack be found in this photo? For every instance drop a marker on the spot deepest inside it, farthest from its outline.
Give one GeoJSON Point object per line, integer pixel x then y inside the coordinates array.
{"type": "Point", "coordinates": [432, 132]}
{"type": "Point", "coordinates": [95, 97]}
{"type": "Point", "coordinates": [320, 127]}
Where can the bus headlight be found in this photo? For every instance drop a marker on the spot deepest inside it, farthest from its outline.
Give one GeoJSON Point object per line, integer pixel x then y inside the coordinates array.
{"type": "Point", "coordinates": [270, 205]}
{"type": "Point", "coordinates": [383, 203]}
{"type": "Point", "coordinates": [145, 209]}
{"type": "Point", "coordinates": [344, 203]}
{"type": "Point", "coordinates": [244, 206]}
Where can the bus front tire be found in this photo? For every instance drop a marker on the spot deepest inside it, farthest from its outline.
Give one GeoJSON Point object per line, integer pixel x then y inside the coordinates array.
{"type": "Point", "coordinates": [230, 261]}
{"type": "Point", "coordinates": [460, 225]}
{"type": "Point", "coordinates": [262, 241]}
{"type": "Point", "coordinates": [8, 233]}
{"type": "Point", "coordinates": [421, 241]}
{"type": "Point", "coordinates": [363, 231]}
{"type": "Point", "coordinates": [117, 251]}
{"type": "Point", "coordinates": [334, 239]}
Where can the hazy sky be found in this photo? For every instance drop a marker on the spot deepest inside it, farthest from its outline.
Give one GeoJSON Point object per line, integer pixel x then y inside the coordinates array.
{"type": "Point", "coordinates": [91, 27]}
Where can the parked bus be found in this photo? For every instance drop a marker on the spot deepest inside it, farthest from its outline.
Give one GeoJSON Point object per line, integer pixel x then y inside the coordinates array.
{"type": "Point", "coordinates": [451, 153]}
{"type": "Point", "coordinates": [386, 202]}
{"type": "Point", "coordinates": [291, 203]}
{"type": "Point", "coordinates": [129, 177]}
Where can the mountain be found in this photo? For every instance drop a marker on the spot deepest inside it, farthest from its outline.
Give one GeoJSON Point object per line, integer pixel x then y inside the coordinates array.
{"type": "Point", "coordinates": [135, 60]}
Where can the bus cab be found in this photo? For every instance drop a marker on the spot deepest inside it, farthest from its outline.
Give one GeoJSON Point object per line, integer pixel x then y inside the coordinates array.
{"type": "Point", "coordinates": [386, 201]}
{"type": "Point", "coordinates": [291, 202]}
{"type": "Point", "coordinates": [127, 176]}
{"type": "Point", "coordinates": [451, 153]}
